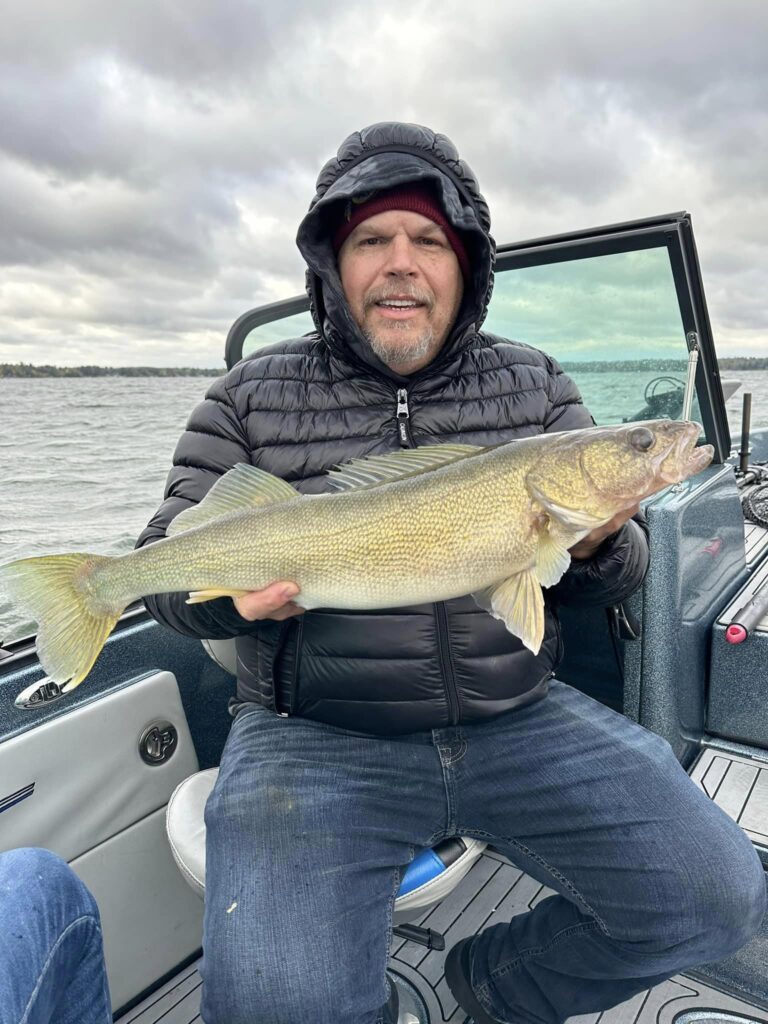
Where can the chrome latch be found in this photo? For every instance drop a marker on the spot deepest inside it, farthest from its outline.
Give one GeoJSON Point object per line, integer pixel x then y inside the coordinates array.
{"type": "Point", "coordinates": [158, 742]}
{"type": "Point", "coordinates": [44, 691]}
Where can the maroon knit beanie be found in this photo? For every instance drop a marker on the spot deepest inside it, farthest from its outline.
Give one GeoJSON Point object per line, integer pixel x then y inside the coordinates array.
{"type": "Point", "coordinates": [407, 197]}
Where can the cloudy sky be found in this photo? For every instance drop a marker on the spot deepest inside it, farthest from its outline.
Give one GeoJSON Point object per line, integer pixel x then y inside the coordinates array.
{"type": "Point", "coordinates": [156, 156]}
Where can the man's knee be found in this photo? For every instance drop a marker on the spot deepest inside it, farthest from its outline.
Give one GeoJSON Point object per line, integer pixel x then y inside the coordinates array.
{"type": "Point", "coordinates": [736, 908]}
{"type": "Point", "coordinates": [32, 870]}
{"type": "Point", "coordinates": [717, 906]}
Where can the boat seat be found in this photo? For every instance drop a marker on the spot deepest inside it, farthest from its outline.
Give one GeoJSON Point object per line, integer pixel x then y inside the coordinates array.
{"type": "Point", "coordinates": [430, 876]}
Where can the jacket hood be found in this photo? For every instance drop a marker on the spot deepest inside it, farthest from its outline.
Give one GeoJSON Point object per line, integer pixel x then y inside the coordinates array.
{"type": "Point", "coordinates": [380, 158]}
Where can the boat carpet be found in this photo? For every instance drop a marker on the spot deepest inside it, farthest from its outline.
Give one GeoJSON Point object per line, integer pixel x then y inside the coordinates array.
{"type": "Point", "coordinates": [495, 890]}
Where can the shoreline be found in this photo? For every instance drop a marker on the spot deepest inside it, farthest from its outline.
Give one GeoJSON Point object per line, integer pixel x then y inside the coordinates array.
{"type": "Point", "coordinates": [28, 371]}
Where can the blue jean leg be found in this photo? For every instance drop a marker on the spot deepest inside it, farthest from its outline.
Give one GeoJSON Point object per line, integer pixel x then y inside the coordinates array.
{"type": "Point", "coordinates": [308, 830]}
{"type": "Point", "coordinates": [51, 956]}
{"type": "Point", "coordinates": [651, 876]}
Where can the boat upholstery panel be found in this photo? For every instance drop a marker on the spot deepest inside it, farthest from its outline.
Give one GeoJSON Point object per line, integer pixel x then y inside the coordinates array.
{"type": "Point", "coordinates": [89, 780]}
{"type": "Point", "coordinates": [150, 918]}
{"type": "Point", "coordinates": [137, 647]}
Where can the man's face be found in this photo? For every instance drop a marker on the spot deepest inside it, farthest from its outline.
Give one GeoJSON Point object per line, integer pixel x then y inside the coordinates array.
{"type": "Point", "coordinates": [403, 284]}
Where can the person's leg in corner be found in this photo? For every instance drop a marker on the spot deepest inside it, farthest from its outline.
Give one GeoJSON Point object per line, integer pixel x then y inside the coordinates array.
{"type": "Point", "coordinates": [309, 828]}
{"type": "Point", "coordinates": [51, 953]}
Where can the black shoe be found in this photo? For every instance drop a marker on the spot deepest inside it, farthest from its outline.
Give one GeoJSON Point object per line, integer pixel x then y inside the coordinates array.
{"type": "Point", "coordinates": [457, 975]}
{"type": "Point", "coordinates": [392, 1005]}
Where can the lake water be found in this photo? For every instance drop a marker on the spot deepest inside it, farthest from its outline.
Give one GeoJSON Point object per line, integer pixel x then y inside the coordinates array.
{"type": "Point", "coordinates": [83, 461]}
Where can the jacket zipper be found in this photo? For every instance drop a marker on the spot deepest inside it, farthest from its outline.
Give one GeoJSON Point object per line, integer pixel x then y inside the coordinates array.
{"type": "Point", "coordinates": [446, 662]}
{"type": "Point", "coordinates": [404, 419]}
{"type": "Point", "coordinates": [294, 703]}
{"type": "Point", "coordinates": [443, 637]}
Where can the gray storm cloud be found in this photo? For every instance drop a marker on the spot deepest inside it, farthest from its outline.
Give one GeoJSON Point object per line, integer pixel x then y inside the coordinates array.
{"type": "Point", "coordinates": [155, 158]}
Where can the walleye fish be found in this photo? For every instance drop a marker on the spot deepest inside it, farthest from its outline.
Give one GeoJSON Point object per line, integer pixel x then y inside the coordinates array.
{"type": "Point", "coordinates": [416, 526]}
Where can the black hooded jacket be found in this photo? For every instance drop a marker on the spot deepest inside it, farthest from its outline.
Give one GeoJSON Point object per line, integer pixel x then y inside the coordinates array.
{"type": "Point", "coordinates": [301, 407]}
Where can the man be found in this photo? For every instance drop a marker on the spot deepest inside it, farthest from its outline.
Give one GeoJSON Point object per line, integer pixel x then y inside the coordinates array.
{"type": "Point", "coordinates": [362, 737]}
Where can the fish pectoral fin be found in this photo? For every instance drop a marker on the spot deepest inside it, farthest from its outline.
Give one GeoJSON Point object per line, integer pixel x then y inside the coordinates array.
{"type": "Point", "coordinates": [243, 487]}
{"type": "Point", "coordinates": [200, 596]}
{"type": "Point", "coordinates": [519, 603]}
{"type": "Point", "coordinates": [575, 518]}
{"type": "Point", "coordinates": [552, 556]}
{"type": "Point", "coordinates": [373, 470]}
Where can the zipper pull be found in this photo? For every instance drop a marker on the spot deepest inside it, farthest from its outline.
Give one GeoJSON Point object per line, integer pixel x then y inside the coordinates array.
{"type": "Point", "coordinates": [402, 419]}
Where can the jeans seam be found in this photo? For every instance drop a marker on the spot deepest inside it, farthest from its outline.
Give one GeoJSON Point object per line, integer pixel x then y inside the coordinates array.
{"type": "Point", "coordinates": [87, 918]}
{"type": "Point", "coordinates": [450, 800]}
{"type": "Point", "coordinates": [389, 915]}
{"type": "Point", "coordinates": [548, 867]}
{"type": "Point", "coordinates": [524, 956]}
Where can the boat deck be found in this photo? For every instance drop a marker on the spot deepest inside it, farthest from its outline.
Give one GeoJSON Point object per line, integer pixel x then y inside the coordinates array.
{"type": "Point", "coordinates": [739, 785]}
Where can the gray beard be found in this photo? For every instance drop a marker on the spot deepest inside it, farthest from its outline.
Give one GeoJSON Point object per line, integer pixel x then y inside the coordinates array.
{"type": "Point", "coordinates": [393, 353]}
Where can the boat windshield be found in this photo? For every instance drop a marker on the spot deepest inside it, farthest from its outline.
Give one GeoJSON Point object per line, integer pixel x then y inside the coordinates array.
{"type": "Point", "coordinates": [613, 322]}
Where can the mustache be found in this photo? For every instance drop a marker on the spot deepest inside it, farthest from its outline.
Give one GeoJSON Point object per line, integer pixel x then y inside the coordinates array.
{"type": "Point", "coordinates": [398, 292]}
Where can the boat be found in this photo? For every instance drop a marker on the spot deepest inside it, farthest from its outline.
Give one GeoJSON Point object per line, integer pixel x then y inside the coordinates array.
{"type": "Point", "coordinates": [113, 776]}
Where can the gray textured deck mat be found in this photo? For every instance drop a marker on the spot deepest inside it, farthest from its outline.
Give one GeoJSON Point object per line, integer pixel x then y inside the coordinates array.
{"type": "Point", "coordinates": [739, 785]}
{"type": "Point", "coordinates": [493, 890]}
{"type": "Point", "coordinates": [177, 1002]}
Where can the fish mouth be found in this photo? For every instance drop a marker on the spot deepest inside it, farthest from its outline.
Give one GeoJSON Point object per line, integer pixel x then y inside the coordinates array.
{"type": "Point", "coordinates": [684, 459]}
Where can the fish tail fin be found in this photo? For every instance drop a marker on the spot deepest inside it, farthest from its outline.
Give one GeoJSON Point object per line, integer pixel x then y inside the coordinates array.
{"type": "Point", "coordinates": [73, 624]}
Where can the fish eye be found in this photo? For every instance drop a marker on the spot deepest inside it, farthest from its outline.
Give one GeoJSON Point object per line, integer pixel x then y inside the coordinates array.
{"type": "Point", "coordinates": [641, 439]}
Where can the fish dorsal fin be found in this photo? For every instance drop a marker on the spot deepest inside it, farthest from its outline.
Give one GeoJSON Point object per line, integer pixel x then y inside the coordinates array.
{"type": "Point", "coordinates": [241, 488]}
{"type": "Point", "coordinates": [519, 603]}
{"type": "Point", "coordinates": [382, 469]}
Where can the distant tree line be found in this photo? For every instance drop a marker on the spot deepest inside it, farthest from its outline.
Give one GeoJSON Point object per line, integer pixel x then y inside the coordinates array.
{"type": "Point", "coordinates": [28, 370]}
{"type": "Point", "coordinates": [743, 363]}
{"type": "Point", "coordinates": [602, 366]}
{"type": "Point", "coordinates": [663, 365]}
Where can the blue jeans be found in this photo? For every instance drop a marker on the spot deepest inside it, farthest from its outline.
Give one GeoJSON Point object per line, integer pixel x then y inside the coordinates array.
{"type": "Point", "coordinates": [51, 957]}
{"type": "Point", "coordinates": [310, 827]}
